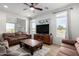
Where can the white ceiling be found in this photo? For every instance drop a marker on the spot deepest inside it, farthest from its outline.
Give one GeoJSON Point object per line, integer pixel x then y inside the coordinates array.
{"type": "Point", "coordinates": [18, 8]}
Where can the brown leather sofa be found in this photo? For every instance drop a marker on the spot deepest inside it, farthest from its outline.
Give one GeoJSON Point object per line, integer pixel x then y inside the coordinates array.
{"type": "Point", "coordinates": [69, 48]}
{"type": "Point", "coordinates": [14, 38]}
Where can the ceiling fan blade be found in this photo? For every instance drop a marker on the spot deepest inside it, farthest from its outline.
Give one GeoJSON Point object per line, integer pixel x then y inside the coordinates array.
{"type": "Point", "coordinates": [38, 8]}
{"type": "Point", "coordinates": [36, 4]}
{"type": "Point", "coordinates": [27, 4]}
{"type": "Point", "coordinates": [25, 9]}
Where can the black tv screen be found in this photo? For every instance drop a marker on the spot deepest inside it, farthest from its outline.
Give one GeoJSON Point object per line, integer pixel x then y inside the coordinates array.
{"type": "Point", "coordinates": [42, 29]}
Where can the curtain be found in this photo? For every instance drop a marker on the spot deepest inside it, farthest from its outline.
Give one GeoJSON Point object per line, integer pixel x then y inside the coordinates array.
{"type": "Point", "coordinates": [68, 29]}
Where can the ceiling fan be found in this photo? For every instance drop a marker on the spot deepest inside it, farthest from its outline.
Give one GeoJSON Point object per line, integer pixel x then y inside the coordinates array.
{"type": "Point", "coordinates": [32, 6]}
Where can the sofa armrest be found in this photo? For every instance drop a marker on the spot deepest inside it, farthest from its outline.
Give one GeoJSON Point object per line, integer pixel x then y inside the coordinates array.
{"type": "Point", "coordinates": [70, 42]}
{"type": "Point", "coordinates": [29, 36]}
{"type": "Point", "coordinates": [6, 44]}
{"type": "Point", "coordinates": [8, 38]}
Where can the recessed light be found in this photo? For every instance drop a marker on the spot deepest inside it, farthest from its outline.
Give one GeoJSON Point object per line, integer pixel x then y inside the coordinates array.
{"type": "Point", "coordinates": [5, 6]}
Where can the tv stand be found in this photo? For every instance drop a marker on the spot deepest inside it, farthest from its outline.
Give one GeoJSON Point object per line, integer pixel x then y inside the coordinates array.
{"type": "Point", "coordinates": [45, 38]}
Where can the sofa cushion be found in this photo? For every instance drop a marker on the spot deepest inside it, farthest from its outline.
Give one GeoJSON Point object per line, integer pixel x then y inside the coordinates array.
{"type": "Point", "coordinates": [68, 51]}
{"type": "Point", "coordinates": [8, 35]}
{"type": "Point", "coordinates": [70, 42]}
{"type": "Point", "coordinates": [11, 38]}
{"type": "Point", "coordinates": [68, 46]}
{"type": "Point", "coordinates": [21, 38]}
{"type": "Point", "coordinates": [18, 33]}
{"type": "Point", "coordinates": [77, 47]}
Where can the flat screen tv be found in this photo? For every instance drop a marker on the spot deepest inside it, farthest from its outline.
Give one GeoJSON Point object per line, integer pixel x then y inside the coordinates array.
{"type": "Point", "coordinates": [42, 29]}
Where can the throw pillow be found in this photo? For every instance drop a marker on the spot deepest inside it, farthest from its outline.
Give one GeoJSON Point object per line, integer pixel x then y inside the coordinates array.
{"type": "Point", "coordinates": [5, 42]}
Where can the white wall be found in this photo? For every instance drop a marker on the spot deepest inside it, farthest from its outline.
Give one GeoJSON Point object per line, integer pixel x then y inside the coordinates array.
{"type": "Point", "coordinates": [74, 15]}
{"type": "Point", "coordinates": [2, 22]}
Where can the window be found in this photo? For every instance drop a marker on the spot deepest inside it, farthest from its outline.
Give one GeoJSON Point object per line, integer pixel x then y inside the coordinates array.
{"type": "Point", "coordinates": [10, 27]}
{"type": "Point", "coordinates": [61, 21]}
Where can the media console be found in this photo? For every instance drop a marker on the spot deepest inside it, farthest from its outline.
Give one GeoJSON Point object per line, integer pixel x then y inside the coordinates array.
{"type": "Point", "coordinates": [45, 38]}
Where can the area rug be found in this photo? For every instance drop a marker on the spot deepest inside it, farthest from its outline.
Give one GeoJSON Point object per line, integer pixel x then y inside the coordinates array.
{"type": "Point", "coordinates": [39, 52]}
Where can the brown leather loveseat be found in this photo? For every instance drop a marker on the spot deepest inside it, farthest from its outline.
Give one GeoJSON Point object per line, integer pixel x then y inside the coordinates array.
{"type": "Point", "coordinates": [69, 48]}
{"type": "Point", "coordinates": [14, 38]}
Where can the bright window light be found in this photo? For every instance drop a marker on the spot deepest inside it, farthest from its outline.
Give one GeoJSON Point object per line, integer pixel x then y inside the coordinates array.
{"type": "Point", "coordinates": [61, 22]}
{"type": "Point", "coordinates": [10, 27]}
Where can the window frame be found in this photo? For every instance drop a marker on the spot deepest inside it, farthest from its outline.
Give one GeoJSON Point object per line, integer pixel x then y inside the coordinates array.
{"type": "Point", "coordinates": [33, 28]}
{"type": "Point", "coordinates": [61, 16]}
{"type": "Point", "coordinates": [9, 29]}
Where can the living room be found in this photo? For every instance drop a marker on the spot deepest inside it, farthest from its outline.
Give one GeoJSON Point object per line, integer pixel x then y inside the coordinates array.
{"type": "Point", "coordinates": [52, 27]}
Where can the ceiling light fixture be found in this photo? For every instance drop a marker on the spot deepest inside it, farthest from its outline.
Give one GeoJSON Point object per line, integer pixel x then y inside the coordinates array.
{"type": "Point", "coordinates": [5, 6]}
{"type": "Point", "coordinates": [31, 8]}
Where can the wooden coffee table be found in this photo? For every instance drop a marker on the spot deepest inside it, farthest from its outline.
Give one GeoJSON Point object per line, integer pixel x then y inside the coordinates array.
{"type": "Point", "coordinates": [31, 45]}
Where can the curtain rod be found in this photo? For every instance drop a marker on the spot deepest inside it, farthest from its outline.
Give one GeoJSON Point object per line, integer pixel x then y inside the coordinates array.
{"type": "Point", "coordinates": [63, 10]}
